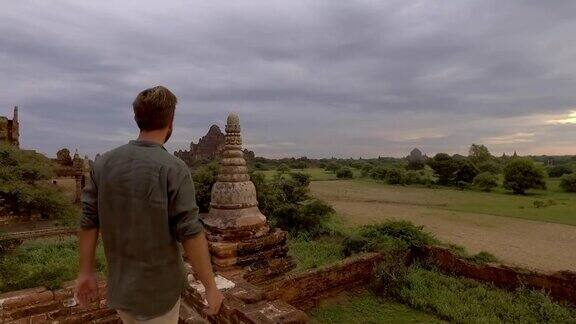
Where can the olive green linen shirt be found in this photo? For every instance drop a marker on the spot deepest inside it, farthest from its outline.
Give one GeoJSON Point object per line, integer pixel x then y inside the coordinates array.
{"type": "Point", "coordinates": [142, 199]}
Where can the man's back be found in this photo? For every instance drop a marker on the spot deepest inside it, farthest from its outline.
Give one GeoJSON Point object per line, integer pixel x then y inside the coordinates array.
{"type": "Point", "coordinates": [143, 201]}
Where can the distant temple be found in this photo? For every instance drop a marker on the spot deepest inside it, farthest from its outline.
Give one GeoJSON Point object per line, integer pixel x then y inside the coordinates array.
{"type": "Point", "coordinates": [416, 156]}
{"type": "Point", "coordinates": [209, 147]}
{"type": "Point", "coordinates": [10, 129]}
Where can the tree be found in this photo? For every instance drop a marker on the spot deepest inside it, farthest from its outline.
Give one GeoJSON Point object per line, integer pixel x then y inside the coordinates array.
{"type": "Point", "coordinates": [466, 172]}
{"type": "Point", "coordinates": [332, 167]}
{"type": "Point", "coordinates": [559, 170]}
{"type": "Point", "coordinates": [204, 178]}
{"type": "Point", "coordinates": [444, 167]}
{"type": "Point", "coordinates": [485, 181]}
{"type": "Point", "coordinates": [283, 168]}
{"type": "Point", "coordinates": [415, 165]}
{"type": "Point", "coordinates": [344, 173]}
{"type": "Point", "coordinates": [521, 175]}
{"type": "Point", "coordinates": [63, 157]}
{"type": "Point", "coordinates": [479, 153]}
{"type": "Point", "coordinates": [568, 182]}
{"type": "Point", "coordinates": [490, 166]}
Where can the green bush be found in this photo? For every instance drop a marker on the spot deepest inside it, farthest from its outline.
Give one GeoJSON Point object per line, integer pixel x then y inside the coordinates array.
{"type": "Point", "coordinates": [344, 173]}
{"type": "Point", "coordinates": [24, 188]}
{"type": "Point", "coordinates": [43, 262]}
{"type": "Point", "coordinates": [521, 175]}
{"type": "Point", "coordinates": [332, 167]}
{"type": "Point", "coordinates": [283, 168]}
{"type": "Point", "coordinates": [404, 231]}
{"type": "Point", "coordinates": [568, 182]}
{"type": "Point", "coordinates": [559, 170]}
{"type": "Point", "coordinates": [395, 176]}
{"type": "Point", "coordinates": [204, 178]}
{"type": "Point", "coordinates": [490, 166]}
{"type": "Point", "coordinates": [445, 168]}
{"type": "Point", "coordinates": [486, 181]}
{"type": "Point", "coordinates": [378, 173]}
{"type": "Point", "coordinates": [308, 218]}
{"type": "Point", "coordinates": [466, 172]}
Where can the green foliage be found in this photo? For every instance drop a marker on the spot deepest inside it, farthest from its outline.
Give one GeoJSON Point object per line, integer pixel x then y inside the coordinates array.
{"type": "Point", "coordinates": [204, 178]}
{"type": "Point", "coordinates": [42, 262]}
{"type": "Point", "coordinates": [367, 307]}
{"type": "Point", "coordinates": [483, 257]}
{"type": "Point", "coordinates": [308, 218]}
{"type": "Point", "coordinates": [486, 181]}
{"type": "Point", "coordinates": [559, 170]}
{"type": "Point", "coordinates": [395, 176]}
{"type": "Point", "coordinates": [445, 168]}
{"type": "Point", "coordinates": [310, 254]}
{"type": "Point", "coordinates": [378, 173]}
{"type": "Point", "coordinates": [467, 301]}
{"type": "Point", "coordinates": [466, 172]}
{"type": "Point", "coordinates": [24, 188]}
{"type": "Point", "coordinates": [415, 165]}
{"type": "Point", "coordinates": [63, 157]}
{"type": "Point", "coordinates": [386, 237]}
{"type": "Point", "coordinates": [344, 173]}
{"type": "Point", "coordinates": [404, 231]}
{"type": "Point", "coordinates": [332, 167]}
{"type": "Point", "coordinates": [479, 153]}
{"type": "Point", "coordinates": [543, 204]}
{"type": "Point", "coordinates": [283, 168]}
{"type": "Point", "coordinates": [521, 175]}
{"type": "Point", "coordinates": [490, 166]}
{"type": "Point", "coordinates": [568, 182]}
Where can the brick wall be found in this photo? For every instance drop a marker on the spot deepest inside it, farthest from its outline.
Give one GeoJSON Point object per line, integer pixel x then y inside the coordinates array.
{"type": "Point", "coordinates": [41, 305]}
{"type": "Point", "coordinates": [304, 289]}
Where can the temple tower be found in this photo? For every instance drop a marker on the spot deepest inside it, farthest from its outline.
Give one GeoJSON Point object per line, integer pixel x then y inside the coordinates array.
{"type": "Point", "coordinates": [240, 239]}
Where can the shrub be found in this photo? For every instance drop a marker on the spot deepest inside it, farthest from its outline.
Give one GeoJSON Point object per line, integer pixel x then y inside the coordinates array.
{"type": "Point", "coordinates": [568, 182]}
{"type": "Point", "coordinates": [486, 181]}
{"type": "Point", "coordinates": [378, 173]}
{"type": "Point", "coordinates": [283, 168]}
{"type": "Point", "coordinates": [559, 170]}
{"type": "Point", "coordinates": [366, 168]}
{"type": "Point", "coordinates": [490, 166]}
{"type": "Point", "coordinates": [332, 167]}
{"type": "Point", "coordinates": [395, 176]}
{"type": "Point", "coordinates": [521, 175]}
{"type": "Point", "coordinates": [404, 231]}
{"type": "Point", "coordinates": [43, 262]}
{"type": "Point", "coordinates": [415, 165]}
{"type": "Point", "coordinates": [204, 178]}
{"type": "Point", "coordinates": [543, 204]}
{"type": "Point", "coordinates": [309, 218]}
{"type": "Point", "coordinates": [344, 173]}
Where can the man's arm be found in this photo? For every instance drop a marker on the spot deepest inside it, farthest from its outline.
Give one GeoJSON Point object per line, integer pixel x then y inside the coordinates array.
{"type": "Point", "coordinates": [196, 249]}
{"type": "Point", "coordinates": [188, 229]}
{"type": "Point", "coordinates": [86, 289]}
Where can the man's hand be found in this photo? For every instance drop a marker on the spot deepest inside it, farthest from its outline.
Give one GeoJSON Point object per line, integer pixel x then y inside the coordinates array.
{"type": "Point", "coordinates": [214, 298]}
{"type": "Point", "coordinates": [86, 289]}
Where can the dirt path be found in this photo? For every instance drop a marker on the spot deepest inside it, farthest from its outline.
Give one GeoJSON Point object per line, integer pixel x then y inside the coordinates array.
{"type": "Point", "coordinates": [525, 243]}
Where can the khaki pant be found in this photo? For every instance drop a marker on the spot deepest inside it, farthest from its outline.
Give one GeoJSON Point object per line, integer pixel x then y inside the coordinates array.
{"type": "Point", "coordinates": [169, 318]}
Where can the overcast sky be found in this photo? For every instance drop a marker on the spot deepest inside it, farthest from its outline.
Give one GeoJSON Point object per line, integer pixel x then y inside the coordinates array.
{"type": "Point", "coordinates": [315, 78]}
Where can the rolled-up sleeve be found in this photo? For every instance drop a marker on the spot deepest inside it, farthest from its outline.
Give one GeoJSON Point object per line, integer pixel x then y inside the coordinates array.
{"type": "Point", "coordinates": [89, 218]}
{"type": "Point", "coordinates": [183, 211]}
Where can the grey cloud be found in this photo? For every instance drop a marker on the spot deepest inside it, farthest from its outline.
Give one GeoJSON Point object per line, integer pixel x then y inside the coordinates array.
{"type": "Point", "coordinates": [353, 78]}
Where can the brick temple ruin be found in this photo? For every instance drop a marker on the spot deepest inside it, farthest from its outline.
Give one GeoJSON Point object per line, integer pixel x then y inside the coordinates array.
{"type": "Point", "coordinates": [210, 147]}
{"type": "Point", "coordinates": [10, 129]}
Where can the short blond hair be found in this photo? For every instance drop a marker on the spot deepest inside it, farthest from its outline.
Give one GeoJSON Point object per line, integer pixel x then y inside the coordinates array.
{"type": "Point", "coordinates": [154, 108]}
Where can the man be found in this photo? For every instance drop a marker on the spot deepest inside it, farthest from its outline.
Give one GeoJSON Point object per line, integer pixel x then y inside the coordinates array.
{"type": "Point", "coordinates": [142, 199]}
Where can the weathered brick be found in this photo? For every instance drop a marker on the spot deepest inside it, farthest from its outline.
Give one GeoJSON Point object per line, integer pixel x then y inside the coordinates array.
{"type": "Point", "coordinates": [33, 310]}
{"type": "Point", "coordinates": [40, 318]}
{"type": "Point", "coordinates": [25, 297]}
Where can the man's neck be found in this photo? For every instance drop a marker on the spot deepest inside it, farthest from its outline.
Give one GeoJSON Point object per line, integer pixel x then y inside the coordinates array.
{"type": "Point", "coordinates": [156, 136]}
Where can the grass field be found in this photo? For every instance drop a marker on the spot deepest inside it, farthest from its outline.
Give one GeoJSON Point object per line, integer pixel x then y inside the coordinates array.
{"type": "Point", "coordinates": [508, 226]}
{"type": "Point", "coordinates": [316, 174]}
{"type": "Point", "coordinates": [366, 307]}
{"type": "Point", "coordinates": [499, 203]}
